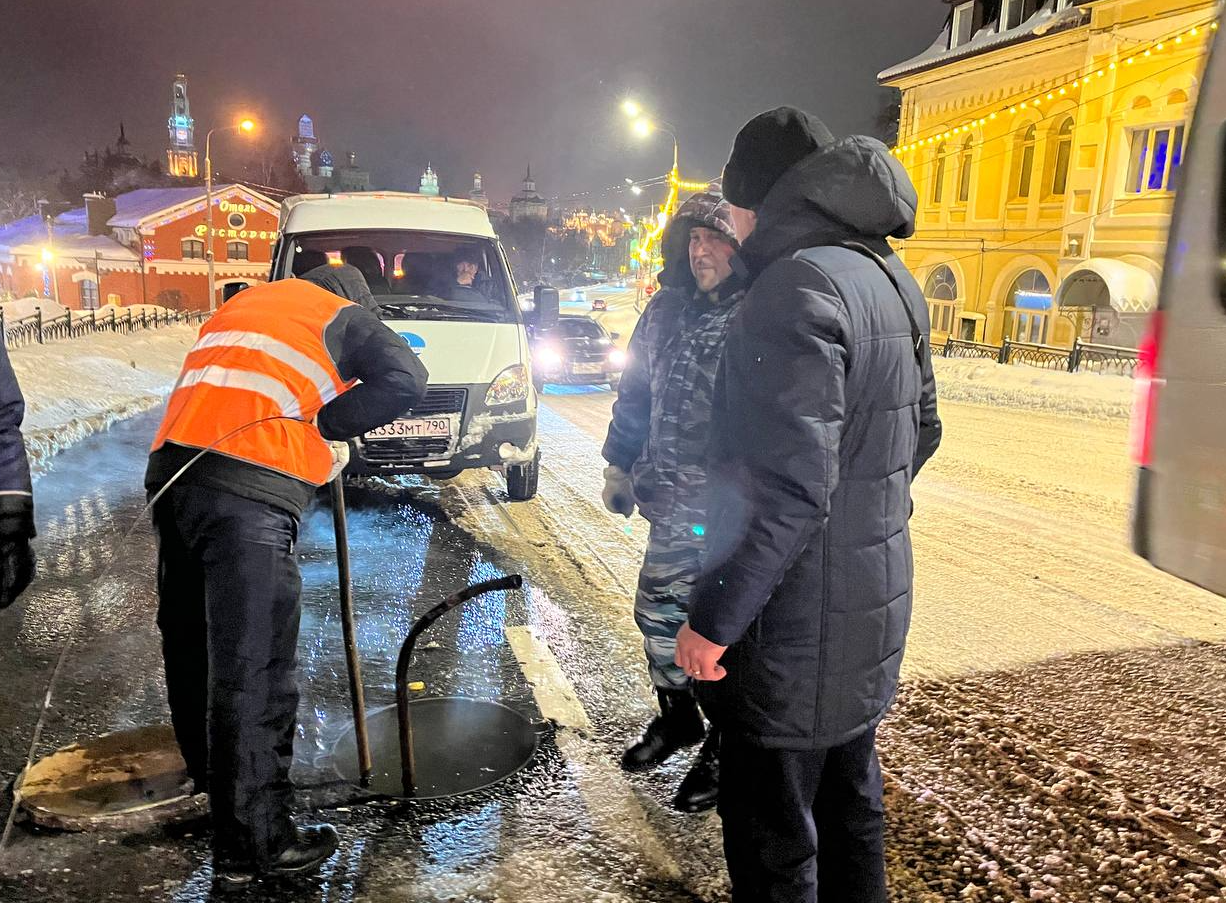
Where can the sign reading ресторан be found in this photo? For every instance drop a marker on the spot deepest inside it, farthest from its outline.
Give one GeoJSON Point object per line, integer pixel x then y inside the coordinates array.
{"type": "Point", "coordinates": [262, 234]}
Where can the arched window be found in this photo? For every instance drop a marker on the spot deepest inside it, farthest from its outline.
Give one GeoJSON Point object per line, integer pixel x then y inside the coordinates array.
{"type": "Point", "coordinates": [1028, 308]}
{"type": "Point", "coordinates": [938, 174]}
{"type": "Point", "coordinates": [236, 250]}
{"type": "Point", "coordinates": [1176, 97]}
{"type": "Point", "coordinates": [1063, 154]}
{"type": "Point", "coordinates": [964, 171]}
{"type": "Point", "coordinates": [193, 249]}
{"type": "Point", "coordinates": [89, 294]}
{"type": "Point", "coordinates": [1025, 164]}
{"type": "Point", "coordinates": [941, 285]}
{"type": "Point", "coordinates": [941, 290]}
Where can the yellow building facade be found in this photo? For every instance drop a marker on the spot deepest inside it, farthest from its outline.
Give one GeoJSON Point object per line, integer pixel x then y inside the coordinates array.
{"type": "Point", "coordinates": [1045, 139]}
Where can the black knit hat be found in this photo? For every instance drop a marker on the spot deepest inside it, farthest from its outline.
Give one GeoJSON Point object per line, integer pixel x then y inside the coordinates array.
{"type": "Point", "coordinates": [768, 146]}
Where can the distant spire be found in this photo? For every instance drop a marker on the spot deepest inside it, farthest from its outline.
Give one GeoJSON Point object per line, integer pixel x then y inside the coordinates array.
{"type": "Point", "coordinates": [123, 139]}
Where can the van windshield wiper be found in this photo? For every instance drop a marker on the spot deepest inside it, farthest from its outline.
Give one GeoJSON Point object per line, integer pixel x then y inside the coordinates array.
{"type": "Point", "coordinates": [419, 310]}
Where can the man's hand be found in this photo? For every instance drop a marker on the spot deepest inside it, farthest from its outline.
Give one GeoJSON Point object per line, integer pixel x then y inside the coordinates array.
{"type": "Point", "coordinates": [699, 657]}
{"type": "Point", "coordinates": [618, 494]}
{"type": "Point", "coordinates": [340, 458]}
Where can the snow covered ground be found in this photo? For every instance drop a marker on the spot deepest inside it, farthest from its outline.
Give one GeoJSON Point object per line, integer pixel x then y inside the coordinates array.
{"type": "Point", "coordinates": [76, 387]}
{"type": "Point", "coordinates": [984, 382]}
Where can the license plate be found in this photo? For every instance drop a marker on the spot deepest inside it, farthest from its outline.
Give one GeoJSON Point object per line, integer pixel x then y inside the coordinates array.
{"type": "Point", "coordinates": [424, 428]}
{"type": "Point", "coordinates": [589, 368]}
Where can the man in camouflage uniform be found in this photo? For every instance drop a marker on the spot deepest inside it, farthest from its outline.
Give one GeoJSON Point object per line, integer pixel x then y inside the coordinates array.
{"type": "Point", "coordinates": [657, 451]}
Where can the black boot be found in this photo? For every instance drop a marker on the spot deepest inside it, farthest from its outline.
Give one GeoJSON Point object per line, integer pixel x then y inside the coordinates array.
{"type": "Point", "coordinates": [699, 790]}
{"type": "Point", "coordinates": [311, 847]}
{"type": "Point", "coordinates": [678, 725]}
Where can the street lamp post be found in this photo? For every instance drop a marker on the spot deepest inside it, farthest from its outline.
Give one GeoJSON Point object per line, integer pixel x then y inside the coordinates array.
{"type": "Point", "coordinates": [245, 125]}
{"type": "Point", "coordinates": [48, 257]}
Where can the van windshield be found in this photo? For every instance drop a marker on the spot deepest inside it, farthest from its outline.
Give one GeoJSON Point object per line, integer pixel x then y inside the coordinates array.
{"type": "Point", "coordinates": [416, 275]}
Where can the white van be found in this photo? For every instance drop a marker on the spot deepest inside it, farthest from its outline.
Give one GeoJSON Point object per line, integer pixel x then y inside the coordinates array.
{"type": "Point", "coordinates": [1179, 424]}
{"type": "Point", "coordinates": [442, 282]}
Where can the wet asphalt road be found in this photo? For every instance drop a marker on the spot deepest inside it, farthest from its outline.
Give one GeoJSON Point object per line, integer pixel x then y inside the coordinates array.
{"type": "Point", "coordinates": [1093, 775]}
{"type": "Point", "coordinates": [542, 835]}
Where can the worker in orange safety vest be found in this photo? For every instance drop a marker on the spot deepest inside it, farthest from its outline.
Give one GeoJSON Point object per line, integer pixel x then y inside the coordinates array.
{"type": "Point", "coordinates": [279, 378]}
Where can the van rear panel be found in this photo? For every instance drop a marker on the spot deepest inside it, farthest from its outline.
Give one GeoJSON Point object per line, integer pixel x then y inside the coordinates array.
{"type": "Point", "coordinates": [1180, 516]}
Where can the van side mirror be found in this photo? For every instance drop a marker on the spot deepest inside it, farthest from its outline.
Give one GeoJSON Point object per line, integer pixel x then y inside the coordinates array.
{"type": "Point", "coordinates": [615, 336]}
{"type": "Point", "coordinates": [230, 289]}
{"type": "Point", "coordinates": [548, 307]}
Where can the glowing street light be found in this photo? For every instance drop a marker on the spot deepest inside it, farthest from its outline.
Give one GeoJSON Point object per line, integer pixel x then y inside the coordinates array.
{"type": "Point", "coordinates": [631, 108]}
{"type": "Point", "coordinates": [246, 125]}
{"type": "Point", "coordinates": [637, 189]}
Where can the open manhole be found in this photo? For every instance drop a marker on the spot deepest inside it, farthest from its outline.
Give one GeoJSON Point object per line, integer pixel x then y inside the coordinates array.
{"type": "Point", "coordinates": [129, 780]}
{"type": "Point", "coordinates": [459, 745]}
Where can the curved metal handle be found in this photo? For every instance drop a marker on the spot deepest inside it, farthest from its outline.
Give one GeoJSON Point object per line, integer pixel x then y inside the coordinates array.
{"type": "Point", "coordinates": [511, 581]}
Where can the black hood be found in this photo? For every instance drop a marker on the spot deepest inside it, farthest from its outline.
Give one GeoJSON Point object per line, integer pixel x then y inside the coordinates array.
{"type": "Point", "coordinates": [852, 190]}
{"type": "Point", "coordinates": [345, 281]}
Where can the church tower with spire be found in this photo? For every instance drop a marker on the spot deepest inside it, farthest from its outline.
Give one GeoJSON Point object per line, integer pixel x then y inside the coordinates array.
{"type": "Point", "coordinates": [181, 159]}
{"type": "Point", "coordinates": [429, 182]}
{"type": "Point", "coordinates": [528, 204]}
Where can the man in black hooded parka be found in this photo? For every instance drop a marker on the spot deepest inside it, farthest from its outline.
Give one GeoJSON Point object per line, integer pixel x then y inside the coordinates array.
{"type": "Point", "coordinates": [825, 410]}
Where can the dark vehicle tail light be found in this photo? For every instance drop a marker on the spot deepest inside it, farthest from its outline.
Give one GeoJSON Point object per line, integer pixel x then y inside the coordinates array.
{"type": "Point", "coordinates": [1146, 383]}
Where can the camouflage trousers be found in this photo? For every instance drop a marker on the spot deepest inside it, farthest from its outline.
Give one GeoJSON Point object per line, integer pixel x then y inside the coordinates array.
{"type": "Point", "coordinates": [661, 604]}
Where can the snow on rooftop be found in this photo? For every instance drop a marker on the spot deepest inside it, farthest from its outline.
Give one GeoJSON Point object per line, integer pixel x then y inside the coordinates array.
{"type": "Point", "coordinates": [133, 206]}
{"type": "Point", "coordinates": [70, 236]}
{"type": "Point", "coordinates": [1044, 21]}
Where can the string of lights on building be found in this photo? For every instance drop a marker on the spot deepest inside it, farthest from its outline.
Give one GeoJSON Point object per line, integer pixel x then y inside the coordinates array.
{"type": "Point", "coordinates": [1061, 88]}
{"type": "Point", "coordinates": [1005, 139]}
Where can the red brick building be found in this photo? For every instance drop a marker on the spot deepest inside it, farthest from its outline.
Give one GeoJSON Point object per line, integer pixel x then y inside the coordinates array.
{"type": "Point", "coordinates": [143, 247]}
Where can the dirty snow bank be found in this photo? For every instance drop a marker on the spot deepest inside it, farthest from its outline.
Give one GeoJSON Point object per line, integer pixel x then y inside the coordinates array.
{"type": "Point", "coordinates": [983, 382]}
{"type": "Point", "coordinates": [80, 386]}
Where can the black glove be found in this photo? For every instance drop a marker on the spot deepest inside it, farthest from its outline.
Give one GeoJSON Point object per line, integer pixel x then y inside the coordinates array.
{"type": "Point", "coordinates": [16, 569]}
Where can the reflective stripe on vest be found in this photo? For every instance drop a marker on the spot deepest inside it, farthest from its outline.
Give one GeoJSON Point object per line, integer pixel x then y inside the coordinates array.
{"type": "Point", "coordinates": [322, 379]}
{"type": "Point", "coordinates": [274, 389]}
{"type": "Point", "coordinates": [256, 376]}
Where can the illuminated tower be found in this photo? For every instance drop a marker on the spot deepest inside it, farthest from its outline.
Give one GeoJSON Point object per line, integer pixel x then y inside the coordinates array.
{"type": "Point", "coordinates": [429, 181]}
{"type": "Point", "coordinates": [304, 145]}
{"type": "Point", "coordinates": [181, 155]}
{"type": "Point", "coordinates": [477, 195]}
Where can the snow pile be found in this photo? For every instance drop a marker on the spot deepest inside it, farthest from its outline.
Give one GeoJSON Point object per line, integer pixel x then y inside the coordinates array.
{"type": "Point", "coordinates": [77, 387]}
{"type": "Point", "coordinates": [25, 307]}
{"type": "Point", "coordinates": [984, 382]}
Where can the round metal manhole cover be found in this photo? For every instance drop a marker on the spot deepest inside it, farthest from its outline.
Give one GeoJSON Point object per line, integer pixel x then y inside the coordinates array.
{"type": "Point", "coordinates": [129, 780]}
{"type": "Point", "coordinates": [459, 745]}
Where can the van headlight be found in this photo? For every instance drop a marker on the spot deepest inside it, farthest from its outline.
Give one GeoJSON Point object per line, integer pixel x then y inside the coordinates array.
{"type": "Point", "coordinates": [510, 386]}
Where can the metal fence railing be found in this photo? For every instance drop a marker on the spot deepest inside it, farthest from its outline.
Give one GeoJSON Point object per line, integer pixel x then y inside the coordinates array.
{"type": "Point", "coordinates": [1082, 356]}
{"type": "Point", "coordinates": [36, 329]}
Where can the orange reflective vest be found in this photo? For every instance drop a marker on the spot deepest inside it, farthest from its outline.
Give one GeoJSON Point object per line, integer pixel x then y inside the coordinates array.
{"type": "Point", "coordinates": [261, 356]}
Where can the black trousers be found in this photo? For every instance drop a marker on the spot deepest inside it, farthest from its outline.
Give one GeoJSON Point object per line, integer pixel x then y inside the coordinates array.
{"type": "Point", "coordinates": [802, 827]}
{"type": "Point", "coordinates": [228, 588]}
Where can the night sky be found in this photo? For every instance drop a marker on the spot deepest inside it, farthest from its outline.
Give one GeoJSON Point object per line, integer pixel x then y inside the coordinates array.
{"type": "Point", "coordinates": [469, 85]}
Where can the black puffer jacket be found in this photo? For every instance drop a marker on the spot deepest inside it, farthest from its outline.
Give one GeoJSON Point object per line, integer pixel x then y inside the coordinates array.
{"type": "Point", "coordinates": [661, 419]}
{"type": "Point", "coordinates": [822, 418]}
{"type": "Point", "coordinates": [16, 497]}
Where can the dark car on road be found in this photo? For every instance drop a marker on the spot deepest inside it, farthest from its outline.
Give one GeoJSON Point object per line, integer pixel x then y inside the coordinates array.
{"type": "Point", "coordinates": [578, 351]}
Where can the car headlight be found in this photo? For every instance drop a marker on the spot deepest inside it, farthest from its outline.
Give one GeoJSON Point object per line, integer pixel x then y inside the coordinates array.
{"type": "Point", "coordinates": [548, 358]}
{"type": "Point", "coordinates": [617, 359]}
{"type": "Point", "coordinates": [510, 386]}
